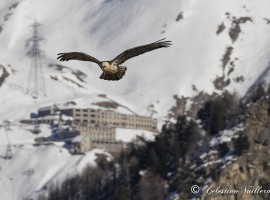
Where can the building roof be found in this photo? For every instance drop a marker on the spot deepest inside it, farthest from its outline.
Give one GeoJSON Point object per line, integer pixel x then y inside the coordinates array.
{"type": "Point", "coordinates": [78, 138]}
{"type": "Point", "coordinates": [128, 135]}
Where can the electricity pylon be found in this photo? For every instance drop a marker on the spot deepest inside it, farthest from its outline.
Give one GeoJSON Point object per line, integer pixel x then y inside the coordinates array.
{"type": "Point", "coordinates": [36, 83]}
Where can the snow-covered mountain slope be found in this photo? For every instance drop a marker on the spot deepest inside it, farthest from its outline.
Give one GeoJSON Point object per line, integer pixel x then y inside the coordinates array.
{"type": "Point", "coordinates": [34, 167]}
{"type": "Point", "coordinates": [224, 39]}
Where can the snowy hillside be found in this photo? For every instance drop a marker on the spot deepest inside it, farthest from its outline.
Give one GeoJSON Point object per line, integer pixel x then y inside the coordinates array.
{"type": "Point", "coordinates": [34, 167]}
{"type": "Point", "coordinates": [216, 45]}
{"type": "Point", "coordinates": [202, 32]}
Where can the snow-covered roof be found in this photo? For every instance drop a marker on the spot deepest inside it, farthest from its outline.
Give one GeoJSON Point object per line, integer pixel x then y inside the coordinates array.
{"type": "Point", "coordinates": [94, 101]}
{"type": "Point", "coordinates": [78, 138]}
{"type": "Point", "coordinates": [128, 135]}
{"type": "Point", "coordinates": [55, 117]}
{"type": "Point", "coordinates": [45, 108]}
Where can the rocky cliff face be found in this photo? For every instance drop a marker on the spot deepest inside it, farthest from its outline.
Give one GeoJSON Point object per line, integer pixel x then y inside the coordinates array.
{"type": "Point", "coordinates": [249, 174]}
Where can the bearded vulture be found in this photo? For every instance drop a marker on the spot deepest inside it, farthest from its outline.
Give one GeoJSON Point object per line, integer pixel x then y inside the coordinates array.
{"type": "Point", "coordinates": [111, 69]}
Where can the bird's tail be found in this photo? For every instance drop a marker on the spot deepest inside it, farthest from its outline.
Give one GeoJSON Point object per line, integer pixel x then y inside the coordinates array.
{"type": "Point", "coordinates": [121, 71]}
{"type": "Point", "coordinates": [114, 77]}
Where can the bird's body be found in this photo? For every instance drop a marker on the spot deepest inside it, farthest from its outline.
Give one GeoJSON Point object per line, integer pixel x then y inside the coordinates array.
{"type": "Point", "coordinates": [112, 69]}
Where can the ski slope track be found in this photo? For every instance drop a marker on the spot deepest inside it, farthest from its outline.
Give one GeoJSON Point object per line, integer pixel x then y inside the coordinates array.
{"type": "Point", "coordinates": [224, 42]}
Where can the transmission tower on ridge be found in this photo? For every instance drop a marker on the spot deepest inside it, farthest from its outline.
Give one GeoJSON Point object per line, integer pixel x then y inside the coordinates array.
{"type": "Point", "coordinates": [6, 126]}
{"type": "Point", "coordinates": [36, 82]}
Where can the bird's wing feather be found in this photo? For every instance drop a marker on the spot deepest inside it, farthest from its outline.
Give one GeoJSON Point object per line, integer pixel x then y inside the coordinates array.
{"type": "Point", "coordinates": [129, 53]}
{"type": "Point", "coordinates": [77, 56]}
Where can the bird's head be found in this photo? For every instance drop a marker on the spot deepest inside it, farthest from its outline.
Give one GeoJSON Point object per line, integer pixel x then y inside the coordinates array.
{"type": "Point", "coordinates": [105, 65]}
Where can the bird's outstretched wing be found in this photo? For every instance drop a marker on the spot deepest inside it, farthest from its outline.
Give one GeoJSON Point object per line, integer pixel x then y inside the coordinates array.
{"type": "Point", "coordinates": [77, 56]}
{"type": "Point", "coordinates": [127, 54]}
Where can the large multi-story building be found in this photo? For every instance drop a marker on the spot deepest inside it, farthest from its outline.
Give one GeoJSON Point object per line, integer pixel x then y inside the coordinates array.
{"type": "Point", "coordinates": [99, 117]}
{"type": "Point", "coordinates": [97, 127]}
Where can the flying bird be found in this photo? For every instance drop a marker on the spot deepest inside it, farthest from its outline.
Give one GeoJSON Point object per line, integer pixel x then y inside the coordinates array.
{"type": "Point", "coordinates": [112, 70]}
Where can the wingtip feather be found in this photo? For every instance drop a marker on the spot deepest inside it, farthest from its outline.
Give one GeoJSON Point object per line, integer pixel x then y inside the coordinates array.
{"type": "Point", "coordinates": [61, 58]}
{"type": "Point", "coordinates": [166, 43]}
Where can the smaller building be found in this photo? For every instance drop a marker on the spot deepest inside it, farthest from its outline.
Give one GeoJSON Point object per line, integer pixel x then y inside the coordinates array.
{"type": "Point", "coordinates": [110, 146]}
{"type": "Point", "coordinates": [102, 137]}
{"type": "Point", "coordinates": [80, 144]}
{"type": "Point", "coordinates": [65, 133]}
{"type": "Point", "coordinates": [48, 110]}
